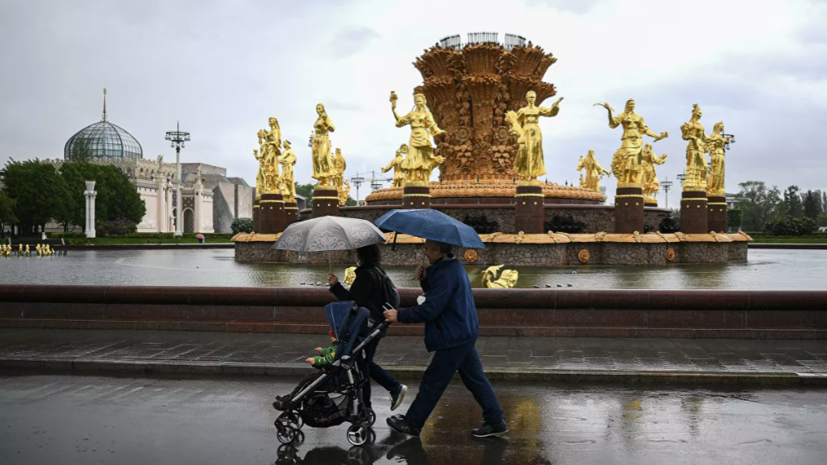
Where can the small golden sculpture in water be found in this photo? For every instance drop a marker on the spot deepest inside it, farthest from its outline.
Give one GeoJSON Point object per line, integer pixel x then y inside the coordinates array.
{"type": "Point", "coordinates": [323, 169]}
{"type": "Point", "coordinates": [396, 166]}
{"type": "Point", "coordinates": [19, 250]}
{"type": "Point", "coordinates": [593, 172]}
{"type": "Point", "coordinates": [626, 160]}
{"type": "Point", "coordinates": [650, 182]}
{"type": "Point", "coordinates": [287, 160]}
{"type": "Point", "coordinates": [529, 163]}
{"type": "Point", "coordinates": [350, 276]}
{"type": "Point", "coordinates": [38, 249]}
{"type": "Point", "coordinates": [696, 171]}
{"type": "Point", "coordinates": [28, 251]}
{"type": "Point", "coordinates": [507, 280]}
{"type": "Point", "coordinates": [421, 161]}
{"type": "Point", "coordinates": [715, 146]}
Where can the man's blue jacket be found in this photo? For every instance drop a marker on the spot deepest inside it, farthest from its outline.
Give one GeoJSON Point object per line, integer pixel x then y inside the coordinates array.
{"type": "Point", "coordinates": [449, 312]}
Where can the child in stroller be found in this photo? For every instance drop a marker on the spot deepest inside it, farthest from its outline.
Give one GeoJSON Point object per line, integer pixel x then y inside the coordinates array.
{"type": "Point", "coordinates": [333, 395]}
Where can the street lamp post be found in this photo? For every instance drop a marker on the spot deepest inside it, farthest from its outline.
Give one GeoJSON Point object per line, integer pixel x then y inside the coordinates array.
{"type": "Point", "coordinates": [666, 184]}
{"type": "Point", "coordinates": [177, 139]}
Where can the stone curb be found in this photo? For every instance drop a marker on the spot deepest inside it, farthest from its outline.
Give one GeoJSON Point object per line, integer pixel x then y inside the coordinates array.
{"type": "Point", "coordinates": [415, 372]}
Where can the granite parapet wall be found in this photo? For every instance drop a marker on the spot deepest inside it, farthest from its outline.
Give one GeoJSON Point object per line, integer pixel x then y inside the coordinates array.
{"type": "Point", "coordinates": [513, 312]}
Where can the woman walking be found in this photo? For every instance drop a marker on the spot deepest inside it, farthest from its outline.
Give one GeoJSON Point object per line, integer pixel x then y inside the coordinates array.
{"type": "Point", "coordinates": [370, 290]}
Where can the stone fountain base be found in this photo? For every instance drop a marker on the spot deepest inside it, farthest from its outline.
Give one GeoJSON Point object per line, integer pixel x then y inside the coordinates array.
{"type": "Point", "coordinates": [532, 250]}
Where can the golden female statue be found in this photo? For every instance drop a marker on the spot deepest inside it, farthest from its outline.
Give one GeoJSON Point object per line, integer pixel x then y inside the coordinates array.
{"type": "Point", "coordinates": [270, 144]}
{"type": "Point", "coordinates": [696, 171]}
{"type": "Point", "coordinates": [650, 182]}
{"type": "Point", "coordinates": [529, 163]}
{"type": "Point", "coordinates": [261, 174]}
{"type": "Point", "coordinates": [339, 167]}
{"type": "Point", "coordinates": [594, 172]}
{"type": "Point", "coordinates": [626, 160]}
{"type": "Point", "coordinates": [715, 144]}
{"type": "Point", "coordinates": [323, 169]}
{"type": "Point", "coordinates": [287, 160]}
{"type": "Point", "coordinates": [421, 161]}
{"type": "Point", "coordinates": [396, 166]}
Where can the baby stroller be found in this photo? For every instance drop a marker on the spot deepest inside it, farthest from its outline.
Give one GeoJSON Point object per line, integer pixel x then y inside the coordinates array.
{"type": "Point", "coordinates": [335, 395]}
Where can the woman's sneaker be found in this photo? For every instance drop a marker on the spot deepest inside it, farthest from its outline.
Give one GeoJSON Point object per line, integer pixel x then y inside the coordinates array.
{"type": "Point", "coordinates": [487, 431]}
{"type": "Point", "coordinates": [398, 396]}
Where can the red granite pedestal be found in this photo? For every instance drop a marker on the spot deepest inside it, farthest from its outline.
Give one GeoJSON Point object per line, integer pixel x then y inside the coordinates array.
{"type": "Point", "coordinates": [414, 196]}
{"type": "Point", "coordinates": [529, 210]}
{"type": "Point", "coordinates": [717, 216]}
{"type": "Point", "coordinates": [271, 214]}
{"type": "Point", "coordinates": [256, 216]}
{"type": "Point", "coordinates": [325, 202]}
{"type": "Point", "coordinates": [629, 210]}
{"type": "Point", "coordinates": [694, 216]}
{"type": "Point", "coordinates": [291, 213]}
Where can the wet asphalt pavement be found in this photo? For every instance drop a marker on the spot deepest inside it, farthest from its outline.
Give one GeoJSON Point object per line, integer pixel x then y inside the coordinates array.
{"type": "Point", "coordinates": [166, 420]}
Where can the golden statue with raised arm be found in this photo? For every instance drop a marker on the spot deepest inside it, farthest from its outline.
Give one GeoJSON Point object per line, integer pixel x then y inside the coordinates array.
{"type": "Point", "coordinates": [594, 172]}
{"type": "Point", "coordinates": [270, 144]}
{"type": "Point", "coordinates": [421, 161]}
{"type": "Point", "coordinates": [396, 166]}
{"type": "Point", "coordinates": [626, 160]}
{"type": "Point", "coordinates": [650, 182]}
{"type": "Point", "coordinates": [287, 160]}
{"type": "Point", "coordinates": [323, 169]}
{"type": "Point", "coordinates": [696, 171]}
{"type": "Point", "coordinates": [715, 144]}
{"type": "Point", "coordinates": [529, 163]}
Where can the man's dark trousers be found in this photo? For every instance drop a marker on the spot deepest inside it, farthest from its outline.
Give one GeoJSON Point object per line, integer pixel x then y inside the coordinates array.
{"type": "Point", "coordinates": [445, 363]}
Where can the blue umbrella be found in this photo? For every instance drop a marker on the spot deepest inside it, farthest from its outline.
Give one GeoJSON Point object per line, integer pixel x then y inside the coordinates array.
{"type": "Point", "coordinates": [430, 224]}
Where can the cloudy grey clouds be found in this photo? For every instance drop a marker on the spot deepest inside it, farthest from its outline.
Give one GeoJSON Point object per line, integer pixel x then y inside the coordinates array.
{"type": "Point", "coordinates": [222, 68]}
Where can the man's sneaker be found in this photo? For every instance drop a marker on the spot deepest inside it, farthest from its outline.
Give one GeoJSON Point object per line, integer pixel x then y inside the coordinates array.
{"type": "Point", "coordinates": [398, 396]}
{"type": "Point", "coordinates": [398, 424]}
{"type": "Point", "coordinates": [487, 431]}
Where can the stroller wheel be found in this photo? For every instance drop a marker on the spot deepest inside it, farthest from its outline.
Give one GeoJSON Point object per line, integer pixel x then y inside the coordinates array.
{"type": "Point", "coordinates": [371, 417]}
{"type": "Point", "coordinates": [299, 439]}
{"type": "Point", "coordinates": [357, 434]}
{"type": "Point", "coordinates": [291, 419]}
{"type": "Point", "coordinates": [285, 433]}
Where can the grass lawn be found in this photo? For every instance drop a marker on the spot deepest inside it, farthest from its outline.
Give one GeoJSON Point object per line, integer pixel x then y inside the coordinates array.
{"type": "Point", "coordinates": [139, 240]}
{"type": "Point", "coordinates": [789, 240]}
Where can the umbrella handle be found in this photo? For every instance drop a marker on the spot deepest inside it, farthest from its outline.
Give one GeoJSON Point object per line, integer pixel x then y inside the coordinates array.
{"type": "Point", "coordinates": [329, 263]}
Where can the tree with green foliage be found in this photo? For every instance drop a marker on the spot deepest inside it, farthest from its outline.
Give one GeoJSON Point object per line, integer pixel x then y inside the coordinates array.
{"type": "Point", "coordinates": [7, 216]}
{"type": "Point", "coordinates": [39, 192]}
{"type": "Point", "coordinates": [734, 217]}
{"type": "Point", "coordinates": [242, 225]}
{"type": "Point", "coordinates": [822, 220]}
{"type": "Point", "coordinates": [759, 204]}
{"type": "Point", "coordinates": [792, 226]}
{"type": "Point", "coordinates": [792, 203]}
{"type": "Point", "coordinates": [116, 199]}
{"type": "Point", "coordinates": [812, 207]}
{"type": "Point", "coordinates": [305, 190]}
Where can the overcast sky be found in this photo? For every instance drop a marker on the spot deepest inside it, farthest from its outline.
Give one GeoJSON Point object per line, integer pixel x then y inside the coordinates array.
{"type": "Point", "coordinates": [223, 67]}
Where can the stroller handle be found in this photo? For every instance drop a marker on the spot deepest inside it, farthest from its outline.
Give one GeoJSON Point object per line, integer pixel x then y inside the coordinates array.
{"type": "Point", "coordinates": [373, 334]}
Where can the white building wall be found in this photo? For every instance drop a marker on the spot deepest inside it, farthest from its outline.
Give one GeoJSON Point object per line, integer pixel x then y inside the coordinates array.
{"type": "Point", "coordinates": [150, 221]}
{"type": "Point", "coordinates": [206, 214]}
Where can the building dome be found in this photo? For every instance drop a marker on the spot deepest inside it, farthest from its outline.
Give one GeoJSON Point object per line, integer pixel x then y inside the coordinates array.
{"type": "Point", "coordinates": [104, 140]}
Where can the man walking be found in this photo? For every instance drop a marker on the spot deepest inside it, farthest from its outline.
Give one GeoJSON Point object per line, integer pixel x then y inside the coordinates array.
{"type": "Point", "coordinates": [451, 329]}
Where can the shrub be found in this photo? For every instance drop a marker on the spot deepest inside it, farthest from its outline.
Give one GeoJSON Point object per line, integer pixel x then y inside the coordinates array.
{"type": "Point", "coordinates": [669, 226]}
{"type": "Point", "coordinates": [244, 225]}
{"type": "Point", "coordinates": [566, 224]}
{"type": "Point", "coordinates": [120, 228]}
{"type": "Point", "coordinates": [792, 226]}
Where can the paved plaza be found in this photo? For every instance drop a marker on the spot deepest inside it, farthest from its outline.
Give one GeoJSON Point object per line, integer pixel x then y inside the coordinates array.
{"type": "Point", "coordinates": [562, 359]}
